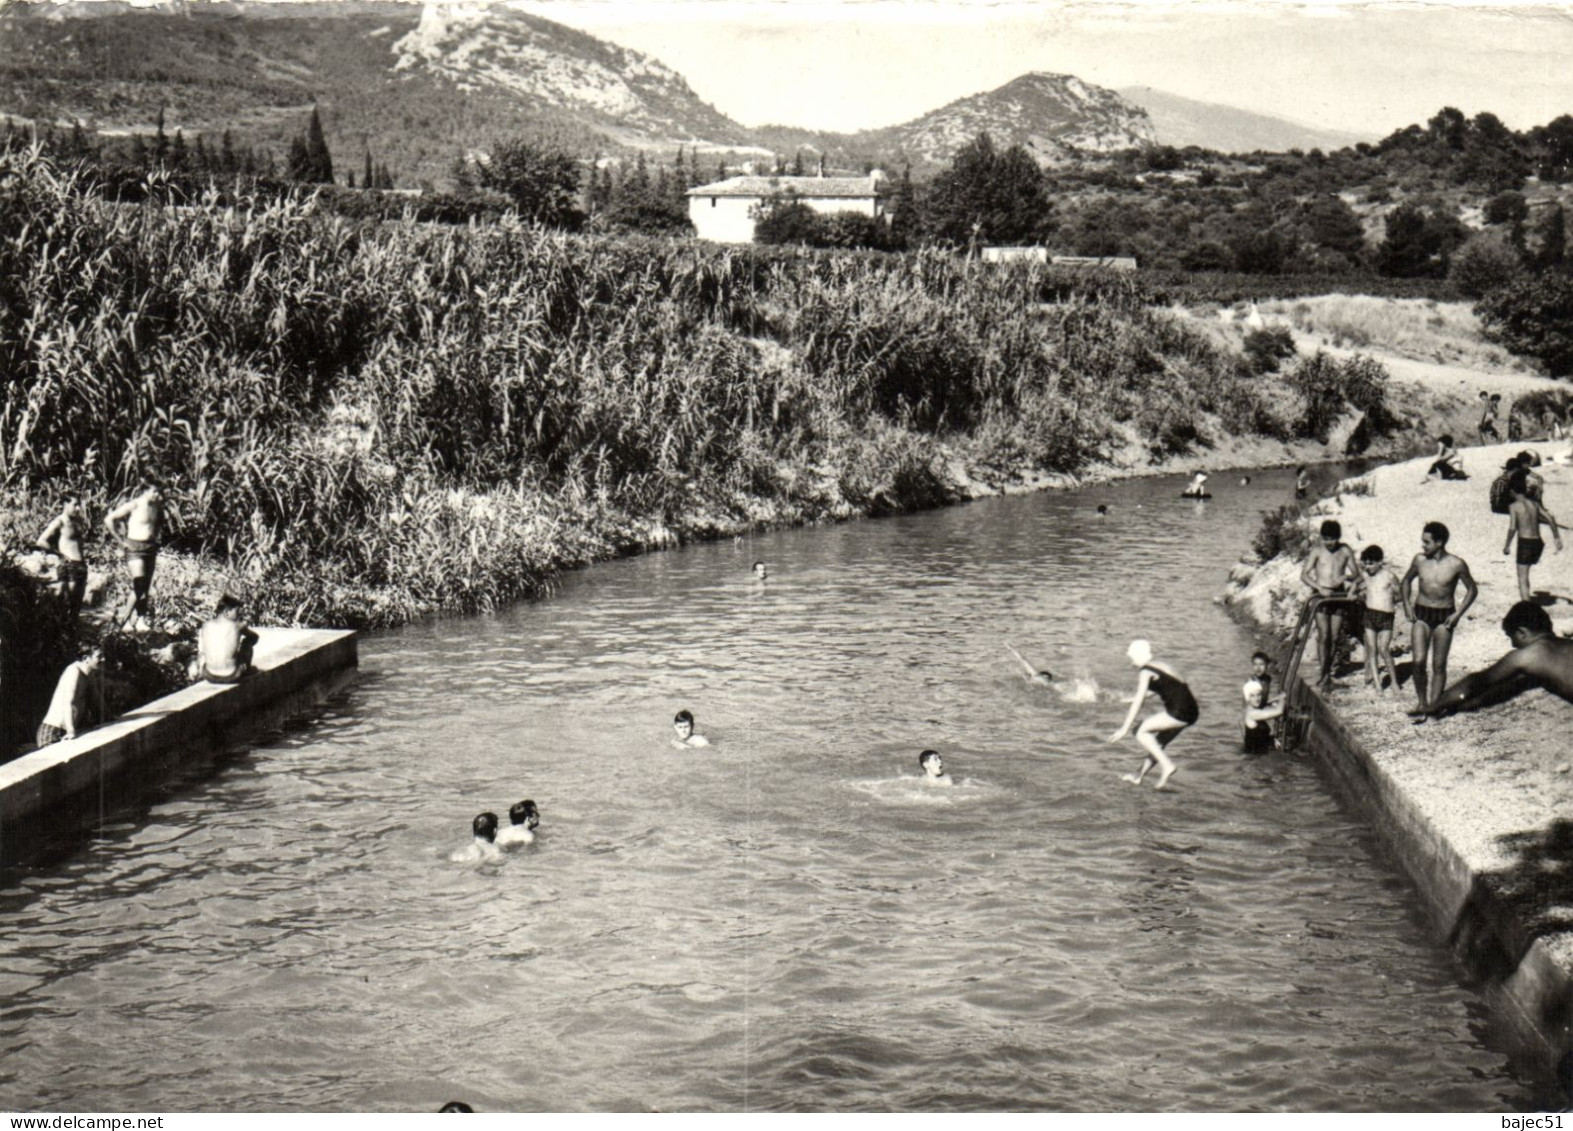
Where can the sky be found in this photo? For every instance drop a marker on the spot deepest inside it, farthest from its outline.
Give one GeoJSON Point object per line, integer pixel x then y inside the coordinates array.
{"type": "Point", "coordinates": [853, 64]}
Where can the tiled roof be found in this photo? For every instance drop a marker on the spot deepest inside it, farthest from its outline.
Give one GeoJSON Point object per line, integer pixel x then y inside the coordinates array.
{"type": "Point", "coordinates": [819, 187]}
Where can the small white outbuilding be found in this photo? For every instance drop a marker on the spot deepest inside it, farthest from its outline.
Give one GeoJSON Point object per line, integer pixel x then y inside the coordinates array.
{"type": "Point", "coordinates": [724, 211]}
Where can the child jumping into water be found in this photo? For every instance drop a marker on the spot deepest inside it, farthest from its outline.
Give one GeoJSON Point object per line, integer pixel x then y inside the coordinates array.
{"type": "Point", "coordinates": [1378, 586]}
{"type": "Point", "coordinates": [933, 767]}
{"type": "Point", "coordinates": [1159, 729]}
{"type": "Point", "coordinates": [683, 725]}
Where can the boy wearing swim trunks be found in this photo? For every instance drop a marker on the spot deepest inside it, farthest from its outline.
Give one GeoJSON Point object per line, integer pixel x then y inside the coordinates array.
{"type": "Point", "coordinates": [1437, 575]}
{"type": "Point", "coordinates": [1329, 571]}
{"type": "Point", "coordinates": [63, 538]}
{"type": "Point", "coordinates": [143, 519]}
{"type": "Point", "coordinates": [1378, 587]}
{"type": "Point", "coordinates": [1525, 518]}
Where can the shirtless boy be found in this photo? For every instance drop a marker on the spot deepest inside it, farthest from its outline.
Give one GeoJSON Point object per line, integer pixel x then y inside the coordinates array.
{"type": "Point", "coordinates": [1378, 587]}
{"type": "Point", "coordinates": [224, 645]}
{"type": "Point", "coordinates": [1539, 658]}
{"type": "Point", "coordinates": [523, 818]}
{"type": "Point", "coordinates": [1329, 571]}
{"type": "Point", "coordinates": [1437, 575]}
{"type": "Point", "coordinates": [143, 519]}
{"type": "Point", "coordinates": [483, 843]}
{"type": "Point", "coordinates": [1525, 518]}
{"type": "Point", "coordinates": [933, 767]}
{"type": "Point", "coordinates": [683, 727]}
{"type": "Point", "coordinates": [63, 538]}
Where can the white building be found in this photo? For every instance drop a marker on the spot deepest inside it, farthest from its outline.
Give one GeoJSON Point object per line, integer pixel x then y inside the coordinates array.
{"type": "Point", "coordinates": [723, 211]}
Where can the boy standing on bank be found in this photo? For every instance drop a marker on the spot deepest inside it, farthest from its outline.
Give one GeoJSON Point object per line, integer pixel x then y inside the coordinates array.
{"type": "Point", "coordinates": [143, 522]}
{"type": "Point", "coordinates": [1437, 575]}
{"type": "Point", "coordinates": [1525, 518]}
{"type": "Point", "coordinates": [1329, 571]}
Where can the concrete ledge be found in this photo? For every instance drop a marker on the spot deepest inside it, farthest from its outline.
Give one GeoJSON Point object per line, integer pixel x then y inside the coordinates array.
{"type": "Point", "coordinates": [1528, 987]}
{"type": "Point", "coordinates": [50, 795]}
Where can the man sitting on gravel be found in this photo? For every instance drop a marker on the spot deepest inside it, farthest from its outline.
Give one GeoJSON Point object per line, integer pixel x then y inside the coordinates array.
{"type": "Point", "coordinates": [1540, 658]}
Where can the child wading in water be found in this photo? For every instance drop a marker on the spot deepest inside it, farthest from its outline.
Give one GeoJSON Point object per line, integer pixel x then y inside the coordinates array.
{"type": "Point", "coordinates": [1159, 729]}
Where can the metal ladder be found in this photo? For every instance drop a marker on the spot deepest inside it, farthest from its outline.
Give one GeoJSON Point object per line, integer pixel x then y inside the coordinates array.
{"type": "Point", "coordinates": [1292, 723]}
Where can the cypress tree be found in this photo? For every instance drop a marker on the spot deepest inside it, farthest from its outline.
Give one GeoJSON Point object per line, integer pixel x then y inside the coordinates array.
{"type": "Point", "coordinates": [160, 140]}
{"type": "Point", "coordinates": [319, 162]}
{"type": "Point", "coordinates": [367, 173]}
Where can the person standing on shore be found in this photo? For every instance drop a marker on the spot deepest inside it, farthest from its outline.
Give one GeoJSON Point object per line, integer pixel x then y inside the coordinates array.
{"type": "Point", "coordinates": [63, 538]}
{"type": "Point", "coordinates": [1160, 728]}
{"type": "Point", "coordinates": [1437, 575]}
{"type": "Point", "coordinates": [143, 520]}
{"type": "Point", "coordinates": [1378, 587]}
{"type": "Point", "coordinates": [1488, 417]}
{"type": "Point", "coordinates": [1329, 571]}
{"type": "Point", "coordinates": [1525, 518]}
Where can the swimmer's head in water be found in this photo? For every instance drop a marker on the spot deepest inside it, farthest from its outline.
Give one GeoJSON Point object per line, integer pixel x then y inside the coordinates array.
{"type": "Point", "coordinates": [760, 571]}
{"type": "Point", "coordinates": [931, 763]}
{"type": "Point", "coordinates": [1140, 652]}
{"type": "Point", "coordinates": [484, 826]}
{"type": "Point", "coordinates": [525, 813]}
{"type": "Point", "coordinates": [456, 1106]}
{"type": "Point", "coordinates": [1103, 508]}
{"type": "Point", "coordinates": [683, 724]}
{"type": "Point", "coordinates": [1260, 662]}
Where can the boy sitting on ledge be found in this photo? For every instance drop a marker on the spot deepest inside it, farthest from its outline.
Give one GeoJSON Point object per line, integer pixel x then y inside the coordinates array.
{"type": "Point", "coordinates": [224, 645]}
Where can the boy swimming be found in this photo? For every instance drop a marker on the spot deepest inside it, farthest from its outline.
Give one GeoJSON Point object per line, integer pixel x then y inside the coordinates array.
{"type": "Point", "coordinates": [483, 846]}
{"type": "Point", "coordinates": [1159, 729]}
{"type": "Point", "coordinates": [1034, 675]}
{"type": "Point", "coordinates": [761, 574]}
{"type": "Point", "coordinates": [933, 767]}
{"type": "Point", "coordinates": [683, 725]}
{"type": "Point", "coordinates": [523, 819]}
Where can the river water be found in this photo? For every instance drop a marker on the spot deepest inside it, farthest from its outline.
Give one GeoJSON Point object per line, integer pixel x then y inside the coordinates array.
{"type": "Point", "coordinates": [788, 919]}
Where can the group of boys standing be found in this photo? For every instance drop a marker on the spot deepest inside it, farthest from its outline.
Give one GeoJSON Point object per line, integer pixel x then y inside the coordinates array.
{"type": "Point", "coordinates": [224, 644]}
{"type": "Point", "coordinates": [1429, 594]}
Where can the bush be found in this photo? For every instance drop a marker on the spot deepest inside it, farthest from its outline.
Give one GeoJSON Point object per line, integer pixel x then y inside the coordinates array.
{"type": "Point", "coordinates": [1284, 531]}
{"type": "Point", "coordinates": [1486, 261]}
{"type": "Point", "coordinates": [1266, 347]}
{"type": "Point", "coordinates": [1533, 317]}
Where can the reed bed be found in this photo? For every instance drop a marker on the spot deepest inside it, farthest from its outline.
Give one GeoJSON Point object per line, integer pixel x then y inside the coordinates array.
{"type": "Point", "coordinates": [360, 423]}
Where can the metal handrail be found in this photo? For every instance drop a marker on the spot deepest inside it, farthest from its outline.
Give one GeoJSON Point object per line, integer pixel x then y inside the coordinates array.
{"type": "Point", "coordinates": [1293, 709]}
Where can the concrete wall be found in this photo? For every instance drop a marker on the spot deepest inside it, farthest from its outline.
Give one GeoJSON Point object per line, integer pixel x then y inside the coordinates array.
{"type": "Point", "coordinates": [53, 795]}
{"type": "Point", "coordinates": [1529, 989]}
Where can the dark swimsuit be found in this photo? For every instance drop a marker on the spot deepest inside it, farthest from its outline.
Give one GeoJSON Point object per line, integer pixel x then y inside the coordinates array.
{"type": "Point", "coordinates": [1178, 702]}
{"type": "Point", "coordinates": [1529, 550]}
{"type": "Point", "coordinates": [1430, 614]}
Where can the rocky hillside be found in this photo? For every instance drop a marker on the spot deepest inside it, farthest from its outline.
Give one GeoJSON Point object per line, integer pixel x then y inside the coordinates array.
{"type": "Point", "coordinates": [1051, 115]}
{"type": "Point", "coordinates": [417, 85]}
